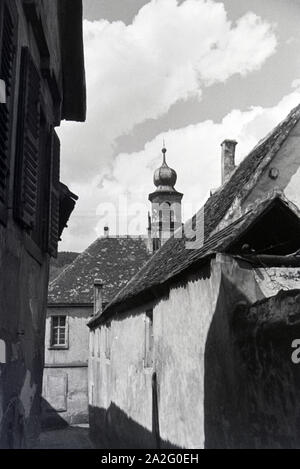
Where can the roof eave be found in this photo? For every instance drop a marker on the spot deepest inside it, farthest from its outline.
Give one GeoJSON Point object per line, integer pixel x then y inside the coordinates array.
{"type": "Point", "coordinates": [72, 56]}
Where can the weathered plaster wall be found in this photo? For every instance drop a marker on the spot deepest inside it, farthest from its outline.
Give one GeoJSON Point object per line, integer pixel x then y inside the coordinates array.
{"type": "Point", "coordinates": [185, 319]}
{"type": "Point", "coordinates": [23, 287]}
{"type": "Point", "coordinates": [69, 366]}
{"type": "Point", "coordinates": [256, 405]}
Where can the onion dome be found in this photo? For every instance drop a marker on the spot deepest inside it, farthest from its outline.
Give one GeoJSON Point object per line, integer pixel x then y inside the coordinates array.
{"type": "Point", "coordinates": [165, 177]}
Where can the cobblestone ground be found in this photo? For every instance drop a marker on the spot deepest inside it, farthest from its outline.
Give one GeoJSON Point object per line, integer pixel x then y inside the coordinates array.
{"type": "Point", "coordinates": [76, 437]}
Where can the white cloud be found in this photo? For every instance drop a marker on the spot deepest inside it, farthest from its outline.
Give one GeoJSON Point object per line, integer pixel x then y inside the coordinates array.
{"type": "Point", "coordinates": [137, 72]}
{"type": "Point", "coordinates": [194, 152]}
{"type": "Point", "coordinates": [296, 83]}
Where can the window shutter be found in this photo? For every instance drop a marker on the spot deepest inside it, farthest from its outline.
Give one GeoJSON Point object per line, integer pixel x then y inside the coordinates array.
{"type": "Point", "coordinates": [53, 232]}
{"type": "Point", "coordinates": [8, 40]}
{"type": "Point", "coordinates": [28, 142]}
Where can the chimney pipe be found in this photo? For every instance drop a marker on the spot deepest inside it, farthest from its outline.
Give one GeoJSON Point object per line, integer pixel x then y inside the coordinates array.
{"type": "Point", "coordinates": [106, 231]}
{"type": "Point", "coordinates": [228, 159]}
{"type": "Point", "coordinates": [98, 286]}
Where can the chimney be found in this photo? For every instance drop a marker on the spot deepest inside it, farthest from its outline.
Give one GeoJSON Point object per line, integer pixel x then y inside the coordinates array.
{"type": "Point", "coordinates": [149, 240]}
{"type": "Point", "coordinates": [228, 159]}
{"type": "Point", "coordinates": [106, 232]}
{"type": "Point", "coordinates": [98, 286]}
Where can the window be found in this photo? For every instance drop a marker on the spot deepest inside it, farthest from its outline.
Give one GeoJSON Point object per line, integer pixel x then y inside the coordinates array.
{"type": "Point", "coordinates": [172, 220]}
{"type": "Point", "coordinates": [149, 339]}
{"type": "Point", "coordinates": [59, 331]}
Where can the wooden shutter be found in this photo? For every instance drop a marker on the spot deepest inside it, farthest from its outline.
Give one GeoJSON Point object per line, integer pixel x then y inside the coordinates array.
{"type": "Point", "coordinates": [28, 142]}
{"type": "Point", "coordinates": [53, 232]}
{"type": "Point", "coordinates": [8, 41]}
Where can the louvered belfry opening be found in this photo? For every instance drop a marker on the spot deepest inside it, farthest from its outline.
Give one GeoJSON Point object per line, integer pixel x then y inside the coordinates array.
{"type": "Point", "coordinates": [8, 40]}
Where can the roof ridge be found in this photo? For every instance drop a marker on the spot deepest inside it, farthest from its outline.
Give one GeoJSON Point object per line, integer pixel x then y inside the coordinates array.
{"type": "Point", "coordinates": [128, 236]}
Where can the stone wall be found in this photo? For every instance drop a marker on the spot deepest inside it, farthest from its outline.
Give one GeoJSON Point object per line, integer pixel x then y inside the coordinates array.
{"type": "Point", "coordinates": [257, 406]}
{"type": "Point", "coordinates": [273, 279]}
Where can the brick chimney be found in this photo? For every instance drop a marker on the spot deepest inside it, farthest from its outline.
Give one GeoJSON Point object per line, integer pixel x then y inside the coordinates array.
{"type": "Point", "coordinates": [106, 232]}
{"type": "Point", "coordinates": [98, 286]}
{"type": "Point", "coordinates": [228, 159]}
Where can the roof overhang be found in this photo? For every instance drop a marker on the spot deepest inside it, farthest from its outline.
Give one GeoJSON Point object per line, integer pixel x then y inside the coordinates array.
{"type": "Point", "coordinates": [67, 202]}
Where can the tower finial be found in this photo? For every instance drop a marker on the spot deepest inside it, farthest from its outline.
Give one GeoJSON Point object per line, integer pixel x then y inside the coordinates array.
{"type": "Point", "coordinates": [164, 151]}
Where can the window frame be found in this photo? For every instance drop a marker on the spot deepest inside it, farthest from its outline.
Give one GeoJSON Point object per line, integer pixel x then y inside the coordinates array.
{"type": "Point", "coordinates": [52, 345]}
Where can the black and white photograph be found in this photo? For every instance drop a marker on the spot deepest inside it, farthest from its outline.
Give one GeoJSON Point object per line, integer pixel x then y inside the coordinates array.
{"type": "Point", "coordinates": [149, 228]}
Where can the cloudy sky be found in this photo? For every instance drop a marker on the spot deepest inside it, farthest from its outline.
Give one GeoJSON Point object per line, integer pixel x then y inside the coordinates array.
{"type": "Point", "coordinates": [192, 72]}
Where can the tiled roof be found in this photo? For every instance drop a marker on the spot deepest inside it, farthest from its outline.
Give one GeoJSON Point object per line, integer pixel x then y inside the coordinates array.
{"type": "Point", "coordinates": [173, 257]}
{"type": "Point", "coordinates": [113, 260]}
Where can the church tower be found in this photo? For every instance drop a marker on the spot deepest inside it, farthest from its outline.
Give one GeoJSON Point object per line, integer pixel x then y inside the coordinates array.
{"type": "Point", "coordinates": [165, 216]}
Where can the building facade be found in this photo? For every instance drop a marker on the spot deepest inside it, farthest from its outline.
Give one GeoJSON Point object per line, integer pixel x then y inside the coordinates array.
{"type": "Point", "coordinates": [104, 267]}
{"type": "Point", "coordinates": [196, 350]}
{"type": "Point", "coordinates": [37, 69]}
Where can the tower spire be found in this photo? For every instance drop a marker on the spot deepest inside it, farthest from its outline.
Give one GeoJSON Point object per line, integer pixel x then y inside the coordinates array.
{"type": "Point", "coordinates": [164, 151]}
